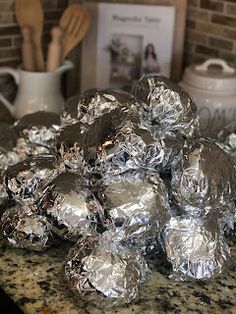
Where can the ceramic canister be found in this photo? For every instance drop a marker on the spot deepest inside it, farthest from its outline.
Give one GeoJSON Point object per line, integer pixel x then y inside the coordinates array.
{"type": "Point", "coordinates": [212, 86]}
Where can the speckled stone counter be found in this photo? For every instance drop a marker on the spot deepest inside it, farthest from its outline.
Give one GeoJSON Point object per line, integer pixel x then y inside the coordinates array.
{"type": "Point", "coordinates": [36, 283]}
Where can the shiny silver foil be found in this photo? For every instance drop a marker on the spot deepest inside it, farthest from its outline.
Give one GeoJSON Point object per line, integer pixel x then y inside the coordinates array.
{"type": "Point", "coordinates": [37, 134]}
{"type": "Point", "coordinates": [103, 272]}
{"type": "Point", "coordinates": [73, 158]}
{"type": "Point", "coordinates": [3, 194]}
{"type": "Point", "coordinates": [8, 138]}
{"type": "Point", "coordinates": [227, 137]}
{"type": "Point", "coordinates": [195, 247]}
{"type": "Point", "coordinates": [138, 149]}
{"type": "Point", "coordinates": [205, 178]}
{"type": "Point", "coordinates": [26, 180]}
{"type": "Point", "coordinates": [94, 104]}
{"type": "Point", "coordinates": [137, 204]}
{"type": "Point", "coordinates": [227, 219]}
{"type": "Point", "coordinates": [70, 207]}
{"type": "Point", "coordinates": [167, 105]}
{"type": "Point", "coordinates": [25, 229]}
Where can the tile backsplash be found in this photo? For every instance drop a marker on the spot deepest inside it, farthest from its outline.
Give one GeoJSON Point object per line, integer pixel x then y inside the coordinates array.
{"type": "Point", "coordinates": [210, 31]}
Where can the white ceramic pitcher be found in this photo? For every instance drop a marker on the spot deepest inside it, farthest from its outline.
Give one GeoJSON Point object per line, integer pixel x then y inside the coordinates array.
{"type": "Point", "coordinates": [36, 90]}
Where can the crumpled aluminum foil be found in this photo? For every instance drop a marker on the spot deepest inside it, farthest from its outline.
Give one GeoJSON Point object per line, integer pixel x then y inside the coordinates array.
{"type": "Point", "coordinates": [8, 138]}
{"type": "Point", "coordinates": [71, 207]}
{"type": "Point", "coordinates": [167, 105]}
{"type": "Point", "coordinates": [195, 247]}
{"type": "Point", "coordinates": [73, 158]}
{"type": "Point", "coordinates": [37, 134]}
{"type": "Point", "coordinates": [227, 219]}
{"type": "Point", "coordinates": [95, 103]}
{"type": "Point", "coordinates": [25, 229]}
{"type": "Point", "coordinates": [137, 204]}
{"type": "Point", "coordinates": [26, 180]}
{"type": "Point", "coordinates": [205, 178]}
{"type": "Point", "coordinates": [3, 194]}
{"type": "Point", "coordinates": [103, 272]}
{"type": "Point", "coordinates": [138, 149]}
{"type": "Point", "coordinates": [227, 137]}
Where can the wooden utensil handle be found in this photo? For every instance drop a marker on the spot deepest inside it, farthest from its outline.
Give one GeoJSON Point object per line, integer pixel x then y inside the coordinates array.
{"type": "Point", "coordinates": [55, 50]}
{"type": "Point", "coordinates": [27, 49]}
{"type": "Point", "coordinates": [39, 59]}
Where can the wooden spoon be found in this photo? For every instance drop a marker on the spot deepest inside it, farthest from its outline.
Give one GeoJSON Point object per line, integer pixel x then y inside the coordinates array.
{"type": "Point", "coordinates": [74, 24]}
{"type": "Point", "coordinates": [27, 49]}
{"type": "Point", "coordinates": [30, 13]}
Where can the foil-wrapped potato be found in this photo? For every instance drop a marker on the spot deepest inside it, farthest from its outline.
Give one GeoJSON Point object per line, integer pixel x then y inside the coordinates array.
{"type": "Point", "coordinates": [26, 180]}
{"type": "Point", "coordinates": [195, 247]}
{"type": "Point", "coordinates": [37, 134]}
{"type": "Point", "coordinates": [137, 204]}
{"type": "Point", "coordinates": [103, 272]}
{"type": "Point", "coordinates": [205, 178]}
{"type": "Point", "coordinates": [71, 207]}
{"type": "Point", "coordinates": [25, 229]}
{"type": "Point", "coordinates": [167, 105]}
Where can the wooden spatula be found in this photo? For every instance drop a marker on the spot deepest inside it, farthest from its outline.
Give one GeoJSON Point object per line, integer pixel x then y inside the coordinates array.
{"type": "Point", "coordinates": [74, 24]}
{"type": "Point", "coordinates": [30, 13]}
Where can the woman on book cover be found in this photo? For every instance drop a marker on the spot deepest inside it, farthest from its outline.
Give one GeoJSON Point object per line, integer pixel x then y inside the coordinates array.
{"type": "Point", "coordinates": [150, 63]}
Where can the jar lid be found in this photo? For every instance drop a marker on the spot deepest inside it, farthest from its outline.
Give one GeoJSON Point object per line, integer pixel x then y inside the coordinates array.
{"type": "Point", "coordinates": [209, 77]}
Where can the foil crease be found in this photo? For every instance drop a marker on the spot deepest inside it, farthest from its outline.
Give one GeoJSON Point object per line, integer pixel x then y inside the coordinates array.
{"type": "Point", "coordinates": [167, 105]}
{"type": "Point", "coordinates": [227, 138]}
{"type": "Point", "coordinates": [227, 219]}
{"type": "Point", "coordinates": [26, 180]}
{"type": "Point", "coordinates": [195, 248]}
{"type": "Point", "coordinates": [137, 205]}
{"type": "Point", "coordinates": [25, 229]}
{"type": "Point", "coordinates": [94, 104]}
{"type": "Point", "coordinates": [103, 272]}
{"type": "Point", "coordinates": [205, 178]}
{"type": "Point", "coordinates": [37, 134]}
{"type": "Point", "coordinates": [71, 207]}
{"type": "Point", "coordinates": [138, 149]}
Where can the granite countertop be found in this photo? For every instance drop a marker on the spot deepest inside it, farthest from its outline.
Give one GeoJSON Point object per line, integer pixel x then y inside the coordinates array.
{"type": "Point", "coordinates": [37, 284]}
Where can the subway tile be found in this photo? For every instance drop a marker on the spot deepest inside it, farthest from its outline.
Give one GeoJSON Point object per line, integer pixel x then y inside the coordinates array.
{"type": "Point", "coordinates": [10, 53]}
{"type": "Point", "coordinates": [5, 42]}
{"type": "Point", "coordinates": [7, 6]}
{"type": "Point", "coordinates": [229, 33]}
{"type": "Point", "coordinates": [53, 15]}
{"type": "Point", "coordinates": [231, 9]}
{"type": "Point", "coordinates": [194, 36]}
{"type": "Point", "coordinates": [190, 24]}
{"type": "Point", "coordinates": [10, 63]}
{"type": "Point", "coordinates": [229, 57]}
{"type": "Point", "coordinates": [188, 47]}
{"type": "Point", "coordinates": [212, 52]}
{"type": "Point", "coordinates": [212, 5]}
{"type": "Point", "coordinates": [198, 14]}
{"type": "Point", "coordinates": [221, 43]}
{"type": "Point", "coordinates": [62, 3]}
{"type": "Point", "coordinates": [209, 28]}
{"type": "Point", "coordinates": [194, 3]}
{"type": "Point", "coordinates": [224, 20]}
{"type": "Point", "coordinates": [7, 18]}
{"type": "Point", "coordinates": [9, 30]}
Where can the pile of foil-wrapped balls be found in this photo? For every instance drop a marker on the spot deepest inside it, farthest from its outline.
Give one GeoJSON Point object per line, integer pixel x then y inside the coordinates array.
{"type": "Point", "coordinates": [120, 175]}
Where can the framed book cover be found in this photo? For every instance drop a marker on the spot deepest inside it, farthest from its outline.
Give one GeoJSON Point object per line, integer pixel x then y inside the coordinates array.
{"type": "Point", "coordinates": [126, 41]}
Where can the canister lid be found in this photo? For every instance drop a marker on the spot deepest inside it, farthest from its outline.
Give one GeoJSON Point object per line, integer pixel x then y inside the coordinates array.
{"type": "Point", "coordinates": [213, 74]}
